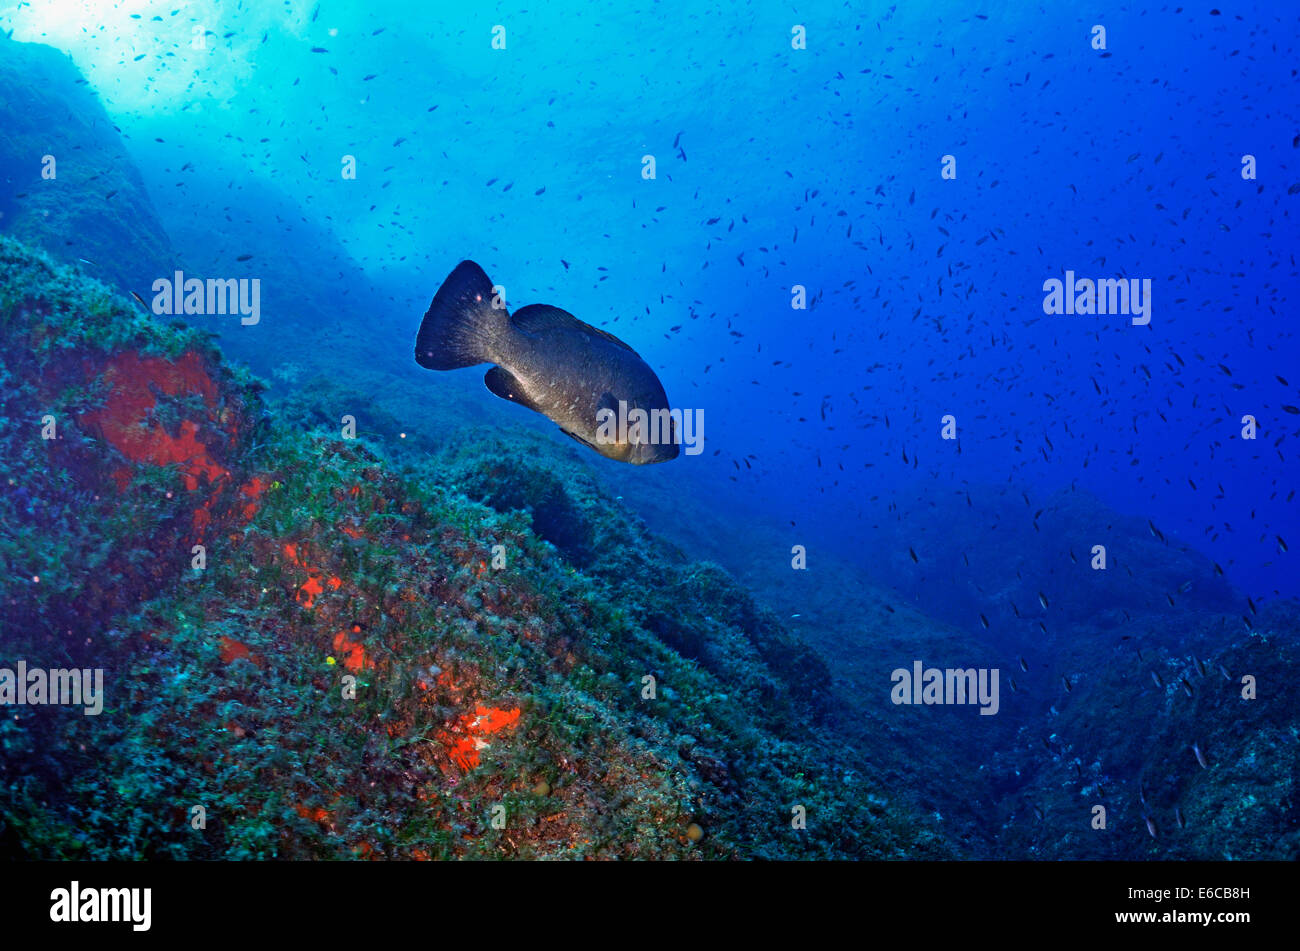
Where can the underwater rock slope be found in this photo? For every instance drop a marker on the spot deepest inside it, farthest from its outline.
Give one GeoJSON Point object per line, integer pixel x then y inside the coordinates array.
{"type": "Point", "coordinates": [67, 182]}
{"type": "Point", "coordinates": [334, 658]}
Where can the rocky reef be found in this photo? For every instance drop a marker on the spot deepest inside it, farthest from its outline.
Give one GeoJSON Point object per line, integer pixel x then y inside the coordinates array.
{"type": "Point", "coordinates": [333, 655]}
{"type": "Point", "coordinates": [67, 181]}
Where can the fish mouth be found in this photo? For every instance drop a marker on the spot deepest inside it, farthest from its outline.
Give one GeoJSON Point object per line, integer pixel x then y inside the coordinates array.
{"type": "Point", "coordinates": [643, 445]}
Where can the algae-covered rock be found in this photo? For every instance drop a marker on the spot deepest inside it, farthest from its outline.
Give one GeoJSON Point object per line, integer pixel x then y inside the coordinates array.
{"type": "Point", "coordinates": [696, 608]}
{"type": "Point", "coordinates": [123, 440]}
{"type": "Point", "coordinates": [313, 651]}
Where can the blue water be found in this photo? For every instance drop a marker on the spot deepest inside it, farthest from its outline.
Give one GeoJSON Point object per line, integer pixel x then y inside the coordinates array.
{"type": "Point", "coordinates": [822, 167]}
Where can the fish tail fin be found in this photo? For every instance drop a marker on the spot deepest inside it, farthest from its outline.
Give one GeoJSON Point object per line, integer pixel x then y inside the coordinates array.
{"type": "Point", "coordinates": [461, 328]}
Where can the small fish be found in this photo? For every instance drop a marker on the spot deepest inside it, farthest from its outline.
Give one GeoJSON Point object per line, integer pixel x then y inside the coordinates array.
{"type": "Point", "coordinates": [1012, 682]}
{"type": "Point", "coordinates": [1178, 815]}
{"type": "Point", "coordinates": [1226, 676]}
{"type": "Point", "coordinates": [1151, 826]}
{"type": "Point", "coordinates": [1156, 677]}
{"type": "Point", "coordinates": [1024, 666]}
{"type": "Point", "coordinates": [585, 380]}
{"type": "Point", "coordinates": [1187, 688]}
{"type": "Point", "coordinates": [1200, 757]}
{"type": "Point", "coordinates": [1042, 599]}
{"type": "Point", "coordinates": [1066, 680]}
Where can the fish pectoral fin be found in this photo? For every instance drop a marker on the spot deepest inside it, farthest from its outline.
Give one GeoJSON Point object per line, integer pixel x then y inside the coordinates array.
{"type": "Point", "coordinates": [577, 438]}
{"type": "Point", "coordinates": [501, 382]}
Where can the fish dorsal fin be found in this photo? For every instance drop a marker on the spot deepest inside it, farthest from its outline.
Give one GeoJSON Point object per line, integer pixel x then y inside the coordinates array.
{"type": "Point", "coordinates": [536, 318]}
{"type": "Point", "coordinates": [502, 383]}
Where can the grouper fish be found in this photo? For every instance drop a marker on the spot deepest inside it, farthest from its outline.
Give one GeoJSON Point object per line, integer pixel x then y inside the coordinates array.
{"type": "Point", "coordinates": [586, 380]}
